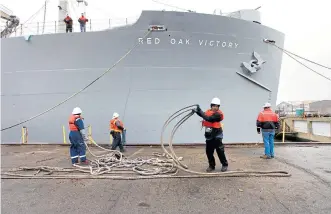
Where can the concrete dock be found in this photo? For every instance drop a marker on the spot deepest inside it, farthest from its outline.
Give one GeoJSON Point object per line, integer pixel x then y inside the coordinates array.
{"type": "Point", "coordinates": [310, 128]}
{"type": "Point", "coordinates": [308, 190]}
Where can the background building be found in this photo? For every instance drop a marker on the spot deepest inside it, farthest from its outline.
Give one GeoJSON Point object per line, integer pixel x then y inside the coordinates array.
{"type": "Point", "coordinates": [309, 107]}
{"type": "Point", "coordinates": [321, 107]}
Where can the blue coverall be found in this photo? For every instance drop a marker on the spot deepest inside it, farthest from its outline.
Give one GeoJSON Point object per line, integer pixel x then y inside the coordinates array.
{"type": "Point", "coordinates": [77, 147]}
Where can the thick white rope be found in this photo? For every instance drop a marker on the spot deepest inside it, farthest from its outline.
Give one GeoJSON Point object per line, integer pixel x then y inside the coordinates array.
{"type": "Point", "coordinates": [164, 165]}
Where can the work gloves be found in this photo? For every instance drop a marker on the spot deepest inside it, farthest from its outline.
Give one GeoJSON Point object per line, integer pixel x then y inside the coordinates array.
{"type": "Point", "coordinates": [258, 129]}
{"type": "Point", "coordinates": [83, 133]}
{"type": "Point", "coordinates": [198, 108]}
{"type": "Point", "coordinates": [198, 111]}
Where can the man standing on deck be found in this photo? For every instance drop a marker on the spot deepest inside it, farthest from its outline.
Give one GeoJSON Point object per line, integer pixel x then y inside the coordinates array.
{"type": "Point", "coordinates": [213, 134]}
{"type": "Point", "coordinates": [268, 121]}
{"type": "Point", "coordinates": [82, 21]}
{"type": "Point", "coordinates": [116, 130]}
{"type": "Point", "coordinates": [77, 137]}
{"type": "Point", "coordinates": [68, 22]}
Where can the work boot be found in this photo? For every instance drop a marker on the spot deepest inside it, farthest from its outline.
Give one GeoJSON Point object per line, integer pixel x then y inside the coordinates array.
{"type": "Point", "coordinates": [85, 162]}
{"type": "Point", "coordinates": [265, 157]}
{"type": "Point", "coordinates": [224, 168]}
{"type": "Point", "coordinates": [210, 169]}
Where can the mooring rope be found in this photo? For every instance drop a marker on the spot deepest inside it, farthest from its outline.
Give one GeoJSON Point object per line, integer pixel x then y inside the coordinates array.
{"type": "Point", "coordinates": [166, 165]}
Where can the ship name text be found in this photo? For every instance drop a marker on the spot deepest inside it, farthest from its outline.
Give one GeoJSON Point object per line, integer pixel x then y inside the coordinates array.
{"type": "Point", "coordinates": [200, 42]}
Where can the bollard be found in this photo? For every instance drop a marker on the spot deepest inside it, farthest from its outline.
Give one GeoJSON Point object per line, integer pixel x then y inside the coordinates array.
{"type": "Point", "coordinates": [24, 135]}
{"type": "Point", "coordinates": [89, 134]}
{"type": "Point", "coordinates": [284, 127]}
{"type": "Point", "coordinates": [64, 135]}
{"type": "Point", "coordinates": [110, 139]}
{"type": "Point", "coordinates": [124, 137]}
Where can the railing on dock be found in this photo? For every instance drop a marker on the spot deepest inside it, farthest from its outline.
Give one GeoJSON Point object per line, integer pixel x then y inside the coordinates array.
{"type": "Point", "coordinates": [52, 27]}
{"type": "Point", "coordinates": [291, 128]}
{"type": "Point", "coordinates": [285, 130]}
{"type": "Point", "coordinates": [310, 128]}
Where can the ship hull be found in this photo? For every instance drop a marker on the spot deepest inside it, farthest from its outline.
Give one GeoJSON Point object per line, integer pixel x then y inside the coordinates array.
{"type": "Point", "coordinates": [197, 58]}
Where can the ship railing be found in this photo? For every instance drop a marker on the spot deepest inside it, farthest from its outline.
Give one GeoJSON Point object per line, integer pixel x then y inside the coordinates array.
{"type": "Point", "coordinates": [52, 27]}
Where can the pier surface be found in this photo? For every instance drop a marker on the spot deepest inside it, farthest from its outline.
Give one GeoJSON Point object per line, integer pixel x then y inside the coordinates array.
{"type": "Point", "coordinates": [308, 190]}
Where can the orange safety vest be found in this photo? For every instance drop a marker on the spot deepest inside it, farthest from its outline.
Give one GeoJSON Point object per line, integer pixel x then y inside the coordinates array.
{"type": "Point", "coordinates": [113, 126]}
{"type": "Point", "coordinates": [267, 116]}
{"type": "Point", "coordinates": [83, 19]}
{"type": "Point", "coordinates": [72, 119]}
{"type": "Point", "coordinates": [215, 125]}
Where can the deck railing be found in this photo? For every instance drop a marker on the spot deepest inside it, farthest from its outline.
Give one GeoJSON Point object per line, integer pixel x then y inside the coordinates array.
{"type": "Point", "coordinates": [51, 27]}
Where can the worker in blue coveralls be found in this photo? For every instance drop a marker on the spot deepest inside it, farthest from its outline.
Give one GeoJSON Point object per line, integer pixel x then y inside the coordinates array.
{"type": "Point", "coordinates": [77, 137]}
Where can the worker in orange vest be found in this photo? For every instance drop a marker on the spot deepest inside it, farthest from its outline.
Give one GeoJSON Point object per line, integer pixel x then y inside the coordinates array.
{"type": "Point", "coordinates": [77, 137]}
{"type": "Point", "coordinates": [213, 134]}
{"type": "Point", "coordinates": [116, 129]}
{"type": "Point", "coordinates": [68, 21]}
{"type": "Point", "coordinates": [268, 121]}
{"type": "Point", "coordinates": [82, 21]}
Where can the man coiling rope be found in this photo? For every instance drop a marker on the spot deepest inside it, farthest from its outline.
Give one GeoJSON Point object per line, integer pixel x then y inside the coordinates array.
{"type": "Point", "coordinates": [166, 165]}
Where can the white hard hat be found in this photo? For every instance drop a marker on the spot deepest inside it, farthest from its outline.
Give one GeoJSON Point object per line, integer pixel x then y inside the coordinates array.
{"type": "Point", "coordinates": [115, 115]}
{"type": "Point", "coordinates": [216, 101]}
{"type": "Point", "coordinates": [266, 105]}
{"type": "Point", "coordinates": [77, 110]}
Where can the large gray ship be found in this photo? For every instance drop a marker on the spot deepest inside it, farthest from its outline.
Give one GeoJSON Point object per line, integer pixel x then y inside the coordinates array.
{"type": "Point", "coordinates": [190, 59]}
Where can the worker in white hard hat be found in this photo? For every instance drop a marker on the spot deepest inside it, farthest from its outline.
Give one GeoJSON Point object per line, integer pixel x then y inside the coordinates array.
{"type": "Point", "coordinates": [77, 137]}
{"type": "Point", "coordinates": [213, 133]}
{"type": "Point", "coordinates": [116, 130]}
{"type": "Point", "coordinates": [267, 121]}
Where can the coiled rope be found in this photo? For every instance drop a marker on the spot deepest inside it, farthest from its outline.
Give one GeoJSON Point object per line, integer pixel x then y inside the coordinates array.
{"type": "Point", "coordinates": [166, 165]}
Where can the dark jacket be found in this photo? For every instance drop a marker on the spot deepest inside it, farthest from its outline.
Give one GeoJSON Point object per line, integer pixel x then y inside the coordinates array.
{"type": "Point", "coordinates": [215, 132]}
{"type": "Point", "coordinates": [68, 22]}
{"type": "Point", "coordinates": [267, 120]}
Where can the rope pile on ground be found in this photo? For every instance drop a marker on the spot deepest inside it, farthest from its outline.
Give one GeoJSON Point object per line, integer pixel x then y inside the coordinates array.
{"type": "Point", "coordinates": [166, 165]}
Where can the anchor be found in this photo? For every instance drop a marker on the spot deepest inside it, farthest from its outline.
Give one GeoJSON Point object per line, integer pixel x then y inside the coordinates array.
{"type": "Point", "coordinates": [254, 65]}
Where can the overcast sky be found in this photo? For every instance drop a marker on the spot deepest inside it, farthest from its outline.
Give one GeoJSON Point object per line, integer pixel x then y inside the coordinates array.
{"type": "Point", "coordinates": [306, 24]}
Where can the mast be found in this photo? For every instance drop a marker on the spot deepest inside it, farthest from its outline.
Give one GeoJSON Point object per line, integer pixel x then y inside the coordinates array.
{"type": "Point", "coordinates": [44, 17]}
